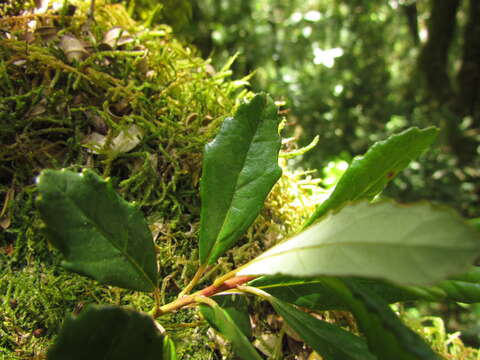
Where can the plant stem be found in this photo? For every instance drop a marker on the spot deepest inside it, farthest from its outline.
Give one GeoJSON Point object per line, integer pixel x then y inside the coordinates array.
{"type": "Point", "coordinates": [155, 312]}
{"type": "Point", "coordinates": [211, 290]}
{"type": "Point", "coordinates": [255, 291]}
{"type": "Point", "coordinates": [225, 277]}
{"type": "Point", "coordinates": [196, 278]}
{"type": "Point", "coordinates": [205, 300]}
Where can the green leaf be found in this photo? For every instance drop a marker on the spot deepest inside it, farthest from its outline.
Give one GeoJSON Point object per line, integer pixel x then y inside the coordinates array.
{"type": "Point", "coordinates": [367, 175]}
{"type": "Point", "coordinates": [475, 222]}
{"type": "Point", "coordinates": [387, 336]}
{"type": "Point", "coordinates": [239, 169]}
{"type": "Point", "coordinates": [328, 340]}
{"type": "Point", "coordinates": [417, 244]}
{"type": "Point", "coordinates": [472, 276]}
{"type": "Point", "coordinates": [316, 294]}
{"type": "Point", "coordinates": [100, 234]}
{"type": "Point", "coordinates": [237, 308]}
{"type": "Point", "coordinates": [221, 321]}
{"type": "Point", "coordinates": [109, 333]}
{"type": "Point", "coordinates": [308, 293]}
{"type": "Point", "coordinates": [391, 293]}
{"type": "Point", "coordinates": [169, 352]}
{"type": "Point", "coordinates": [463, 288]}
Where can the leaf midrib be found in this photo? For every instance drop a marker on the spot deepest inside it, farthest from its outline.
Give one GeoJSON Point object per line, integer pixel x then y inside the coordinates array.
{"type": "Point", "coordinates": [381, 176]}
{"type": "Point", "coordinates": [373, 183]}
{"type": "Point", "coordinates": [104, 235]}
{"type": "Point", "coordinates": [352, 243]}
{"type": "Point", "coordinates": [230, 202]}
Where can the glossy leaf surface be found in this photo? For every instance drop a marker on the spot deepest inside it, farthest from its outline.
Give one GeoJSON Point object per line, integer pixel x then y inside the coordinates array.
{"type": "Point", "coordinates": [236, 307]}
{"type": "Point", "coordinates": [308, 293]}
{"type": "Point", "coordinates": [221, 321]}
{"type": "Point", "coordinates": [387, 336]}
{"type": "Point", "coordinates": [169, 352]}
{"type": "Point", "coordinates": [109, 333]}
{"type": "Point", "coordinates": [100, 234]}
{"type": "Point", "coordinates": [328, 340]}
{"type": "Point", "coordinates": [410, 245]}
{"type": "Point", "coordinates": [315, 294]}
{"type": "Point", "coordinates": [464, 288]}
{"type": "Point", "coordinates": [367, 175]}
{"type": "Point", "coordinates": [240, 167]}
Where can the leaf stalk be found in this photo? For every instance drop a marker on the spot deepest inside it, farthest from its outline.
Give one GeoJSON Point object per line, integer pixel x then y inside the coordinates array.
{"type": "Point", "coordinates": [196, 278]}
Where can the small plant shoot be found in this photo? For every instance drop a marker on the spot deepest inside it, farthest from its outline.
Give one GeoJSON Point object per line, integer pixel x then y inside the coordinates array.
{"type": "Point", "coordinates": [354, 253]}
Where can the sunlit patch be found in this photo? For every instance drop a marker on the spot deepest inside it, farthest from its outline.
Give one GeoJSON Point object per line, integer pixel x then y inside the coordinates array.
{"type": "Point", "coordinates": [338, 90]}
{"type": "Point", "coordinates": [333, 172]}
{"type": "Point", "coordinates": [312, 16]}
{"type": "Point", "coordinates": [307, 31]}
{"type": "Point", "coordinates": [326, 57]}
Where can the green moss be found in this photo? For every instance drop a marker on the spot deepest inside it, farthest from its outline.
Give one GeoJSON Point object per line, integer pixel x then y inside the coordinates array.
{"type": "Point", "coordinates": [50, 107]}
{"type": "Point", "coordinates": [14, 7]}
{"type": "Point", "coordinates": [432, 329]}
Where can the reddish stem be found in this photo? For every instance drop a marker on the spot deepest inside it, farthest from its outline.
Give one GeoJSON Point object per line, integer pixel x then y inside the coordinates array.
{"type": "Point", "coordinates": [211, 290]}
{"type": "Point", "coordinates": [231, 283]}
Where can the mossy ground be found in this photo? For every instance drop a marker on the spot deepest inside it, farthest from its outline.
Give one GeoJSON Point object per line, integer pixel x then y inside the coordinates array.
{"type": "Point", "coordinates": [51, 105]}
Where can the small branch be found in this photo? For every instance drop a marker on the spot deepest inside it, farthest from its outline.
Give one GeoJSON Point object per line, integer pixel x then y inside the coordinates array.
{"type": "Point", "coordinates": [156, 308]}
{"type": "Point", "coordinates": [196, 278]}
{"type": "Point", "coordinates": [211, 290]}
{"type": "Point", "coordinates": [255, 291]}
{"type": "Point", "coordinates": [226, 277]}
{"type": "Point", "coordinates": [277, 350]}
{"type": "Point", "coordinates": [205, 300]}
{"type": "Point", "coordinates": [411, 12]}
{"type": "Point", "coordinates": [229, 284]}
{"type": "Point", "coordinates": [174, 305]}
{"type": "Point", "coordinates": [91, 11]}
{"type": "Point", "coordinates": [165, 282]}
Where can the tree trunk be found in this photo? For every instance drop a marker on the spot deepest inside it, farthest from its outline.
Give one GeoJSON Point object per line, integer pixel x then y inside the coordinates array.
{"type": "Point", "coordinates": [433, 59]}
{"type": "Point", "coordinates": [411, 13]}
{"type": "Point", "coordinates": [454, 100]}
{"type": "Point", "coordinates": [468, 78]}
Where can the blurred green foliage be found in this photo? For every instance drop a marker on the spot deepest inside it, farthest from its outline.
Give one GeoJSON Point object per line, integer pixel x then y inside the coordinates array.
{"type": "Point", "coordinates": [355, 71]}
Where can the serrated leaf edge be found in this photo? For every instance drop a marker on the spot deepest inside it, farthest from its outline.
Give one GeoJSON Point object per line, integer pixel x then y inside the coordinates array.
{"type": "Point", "coordinates": [87, 172]}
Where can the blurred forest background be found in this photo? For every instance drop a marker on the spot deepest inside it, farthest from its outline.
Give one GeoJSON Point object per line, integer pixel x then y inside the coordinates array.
{"type": "Point", "coordinates": [354, 71]}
